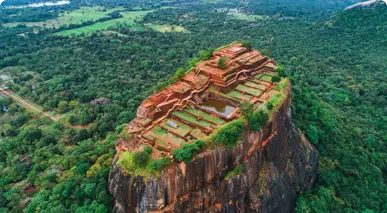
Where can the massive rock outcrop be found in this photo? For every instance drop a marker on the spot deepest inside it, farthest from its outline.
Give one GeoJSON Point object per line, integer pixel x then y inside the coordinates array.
{"type": "Point", "coordinates": [277, 163]}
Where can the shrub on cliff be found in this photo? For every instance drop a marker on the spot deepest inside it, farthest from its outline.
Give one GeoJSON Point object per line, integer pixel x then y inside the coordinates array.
{"type": "Point", "coordinates": [247, 44]}
{"type": "Point", "coordinates": [275, 79]}
{"type": "Point", "coordinates": [269, 105]}
{"type": "Point", "coordinates": [204, 55]}
{"type": "Point", "coordinates": [187, 151]}
{"type": "Point", "coordinates": [257, 119]}
{"type": "Point", "coordinates": [229, 134]}
{"type": "Point", "coordinates": [140, 159]}
{"type": "Point", "coordinates": [156, 165]}
{"type": "Point", "coordinates": [238, 169]}
{"type": "Point", "coordinates": [281, 72]}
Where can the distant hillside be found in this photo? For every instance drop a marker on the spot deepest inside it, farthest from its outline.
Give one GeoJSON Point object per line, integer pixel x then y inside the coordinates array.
{"type": "Point", "coordinates": [369, 23]}
{"type": "Point", "coordinates": [366, 4]}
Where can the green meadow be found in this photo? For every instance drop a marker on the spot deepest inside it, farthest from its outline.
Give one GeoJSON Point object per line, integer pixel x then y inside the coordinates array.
{"type": "Point", "coordinates": [79, 16]}
{"type": "Point", "coordinates": [167, 28]}
{"type": "Point", "coordinates": [128, 19]}
{"type": "Point", "coordinates": [246, 17]}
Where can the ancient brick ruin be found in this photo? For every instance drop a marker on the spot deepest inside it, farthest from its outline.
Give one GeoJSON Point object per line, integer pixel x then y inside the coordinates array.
{"type": "Point", "coordinates": [201, 101]}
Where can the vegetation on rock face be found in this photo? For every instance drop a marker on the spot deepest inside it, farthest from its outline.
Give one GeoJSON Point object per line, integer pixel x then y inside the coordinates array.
{"type": "Point", "coordinates": [275, 79]}
{"type": "Point", "coordinates": [140, 159]}
{"type": "Point", "coordinates": [238, 169]}
{"type": "Point", "coordinates": [257, 119]}
{"type": "Point", "coordinates": [281, 71]}
{"type": "Point", "coordinates": [187, 151]}
{"type": "Point", "coordinates": [229, 134]}
{"type": "Point", "coordinates": [140, 163]}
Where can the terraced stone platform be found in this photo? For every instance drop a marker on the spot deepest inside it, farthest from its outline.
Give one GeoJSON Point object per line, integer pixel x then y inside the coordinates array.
{"type": "Point", "coordinates": [202, 101]}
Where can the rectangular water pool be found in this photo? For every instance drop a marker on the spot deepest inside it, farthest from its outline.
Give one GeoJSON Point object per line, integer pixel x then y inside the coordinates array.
{"type": "Point", "coordinates": [218, 107]}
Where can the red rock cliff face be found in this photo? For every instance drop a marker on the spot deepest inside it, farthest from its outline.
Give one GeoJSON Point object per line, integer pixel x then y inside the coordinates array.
{"type": "Point", "coordinates": [275, 161]}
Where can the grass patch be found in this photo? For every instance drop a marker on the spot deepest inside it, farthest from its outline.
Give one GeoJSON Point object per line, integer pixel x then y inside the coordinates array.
{"type": "Point", "coordinates": [28, 101]}
{"type": "Point", "coordinates": [229, 134]}
{"type": "Point", "coordinates": [167, 28]}
{"type": "Point", "coordinates": [162, 134]}
{"type": "Point", "coordinates": [255, 85]}
{"type": "Point", "coordinates": [258, 76]}
{"type": "Point", "coordinates": [238, 169]}
{"type": "Point", "coordinates": [207, 116]}
{"type": "Point", "coordinates": [182, 129]}
{"type": "Point", "coordinates": [266, 78]}
{"type": "Point", "coordinates": [139, 163]}
{"type": "Point", "coordinates": [246, 17]}
{"type": "Point", "coordinates": [79, 16]}
{"type": "Point", "coordinates": [214, 90]}
{"type": "Point", "coordinates": [128, 19]}
{"type": "Point", "coordinates": [197, 133]}
{"type": "Point", "coordinates": [251, 91]}
{"type": "Point", "coordinates": [191, 119]}
{"type": "Point", "coordinates": [281, 86]}
{"type": "Point", "coordinates": [238, 95]}
{"type": "Point", "coordinates": [186, 152]}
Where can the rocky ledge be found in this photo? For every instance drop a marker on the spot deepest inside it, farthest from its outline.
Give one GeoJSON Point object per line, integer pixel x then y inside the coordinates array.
{"type": "Point", "coordinates": [277, 163]}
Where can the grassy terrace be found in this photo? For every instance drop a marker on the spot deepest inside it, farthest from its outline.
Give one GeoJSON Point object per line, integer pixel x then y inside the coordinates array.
{"type": "Point", "coordinates": [266, 78]}
{"type": "Point", "coordinates": [191, 119]}
{"type": "Point", "coordinates": [197, 133]}
{"type": "Point", "coordinates": [182, 130]}
{"type": "Point", "coordinates": [258, 76]}
{"type": "Point", "coordinates": [273, 93]}
{"type": "Point", "coordinates": [255, 85]}
{"type": "Point", "coordinates": [238, 95]}
{"type": "Point", "coordinates": [144, 121]}
{"type": "Point", "coordinates": [161, 134]}
{"type": "Point", "coordinates": [251, 91]}
{"type": "Point", "coordinates": [205, 115]}
{"type": "Point", "coordinates": [212, 89]}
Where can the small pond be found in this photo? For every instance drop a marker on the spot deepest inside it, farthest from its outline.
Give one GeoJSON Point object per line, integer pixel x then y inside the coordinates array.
{"type": "Point", "coordinates": [218, 107]}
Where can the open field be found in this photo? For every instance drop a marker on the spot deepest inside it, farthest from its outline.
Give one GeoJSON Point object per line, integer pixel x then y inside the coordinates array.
{"type": "Point", "coordinates": [79, 16]}
{"type": "Point", "coordinates": [167, 28]}
{"type": "Point", "coordinates": [85, 14]}
{"type": "Point", "coordinates": [128, 19]}
{"type": "Point", "coordinates": [246, 17]}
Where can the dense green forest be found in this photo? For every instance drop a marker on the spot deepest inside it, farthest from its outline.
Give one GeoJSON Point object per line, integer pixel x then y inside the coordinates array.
{"type": "Point", "coordinates": [335, 60]}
